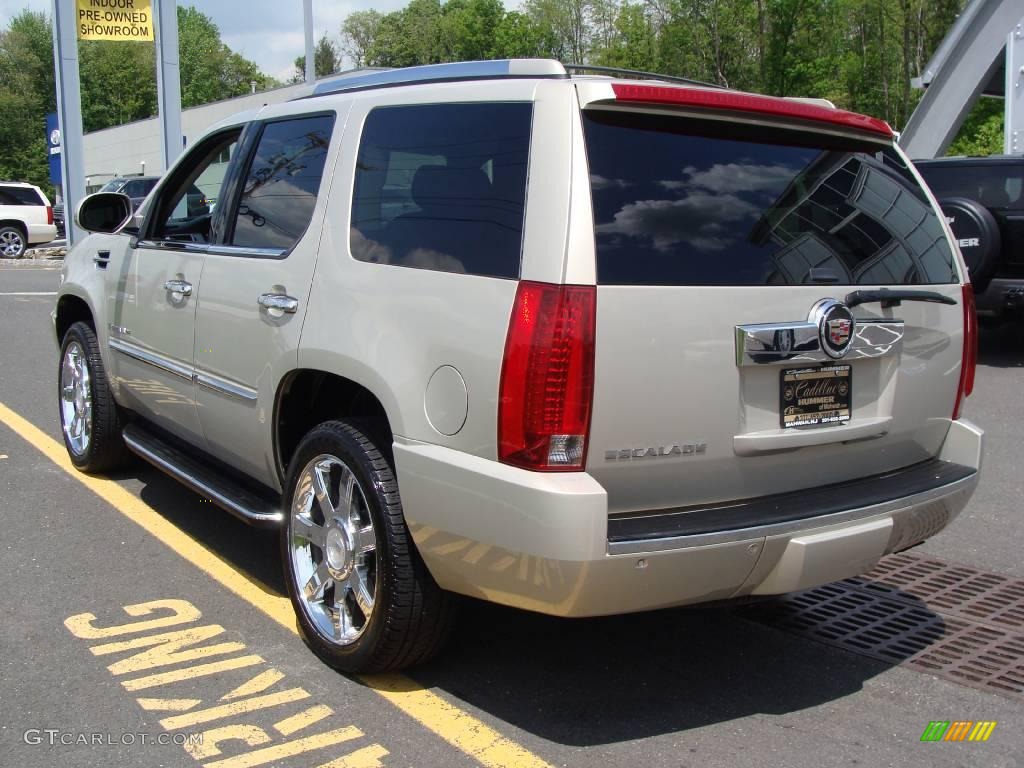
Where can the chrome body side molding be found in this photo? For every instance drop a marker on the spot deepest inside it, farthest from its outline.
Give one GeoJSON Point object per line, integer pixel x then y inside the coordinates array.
{"type": "Point", "coordinates": [206, 380]}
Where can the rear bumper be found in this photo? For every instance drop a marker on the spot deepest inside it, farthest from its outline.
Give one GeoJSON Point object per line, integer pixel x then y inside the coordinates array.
{"type": "Point", "coordinates": [541, 541]}
{"type": "Point", "coordinates": [41, 233]}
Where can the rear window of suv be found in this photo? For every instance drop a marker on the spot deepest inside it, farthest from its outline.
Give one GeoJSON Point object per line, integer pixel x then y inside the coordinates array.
{"type": "Point", "coordinates": [686, 202]}
{"type": "Point", "coordinates": [19, 196]}
{"type": "Point", "coordinates": [443, 187]}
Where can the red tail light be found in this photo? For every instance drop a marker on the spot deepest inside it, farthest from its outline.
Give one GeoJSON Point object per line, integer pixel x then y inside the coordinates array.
{"type": "Point", "coordinates": [970, 358]}
{"type": "Point", "coordinates": [547, 378]}
{"type": "Point", "coordinates": [49, 214]}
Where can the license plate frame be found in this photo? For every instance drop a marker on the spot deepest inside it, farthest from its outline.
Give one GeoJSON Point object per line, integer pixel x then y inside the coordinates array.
{"type": "Point", "coordinates": [826, 399]}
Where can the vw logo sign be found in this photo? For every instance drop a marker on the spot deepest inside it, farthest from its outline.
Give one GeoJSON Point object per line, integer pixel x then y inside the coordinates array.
{"type": "Point", "coordinates": [835, 327]}
{"type": "Point", "coordinates": [55, 137]}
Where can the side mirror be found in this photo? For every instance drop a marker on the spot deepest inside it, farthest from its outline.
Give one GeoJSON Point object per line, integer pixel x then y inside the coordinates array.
{"type": "Point", "coordinates": [104, 212]}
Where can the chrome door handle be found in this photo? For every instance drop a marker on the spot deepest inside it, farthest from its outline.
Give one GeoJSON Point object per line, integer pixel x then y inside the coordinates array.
{"type": "Point", "coordinates": [278, 302]}
{"type": "Point", "coordinates": [178, 286]}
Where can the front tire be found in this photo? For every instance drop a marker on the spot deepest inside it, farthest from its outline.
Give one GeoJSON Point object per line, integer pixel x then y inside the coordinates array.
{"type": "Point", "coordinates": [365, 601]}
{"type": "Point", "coordinates": [89, 417]}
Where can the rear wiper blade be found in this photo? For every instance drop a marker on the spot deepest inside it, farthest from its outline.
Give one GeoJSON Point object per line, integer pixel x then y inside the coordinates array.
{"type": "Point", "coordinates": [889, 298]}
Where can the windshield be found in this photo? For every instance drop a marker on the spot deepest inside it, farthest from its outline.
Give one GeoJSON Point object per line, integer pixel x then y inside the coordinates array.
{"type": "Point", "coordinates": [679, 201]}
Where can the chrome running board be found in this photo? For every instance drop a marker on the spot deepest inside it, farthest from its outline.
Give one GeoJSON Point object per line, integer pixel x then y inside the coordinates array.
{"type": "Point", "coordinates": [222, 491]}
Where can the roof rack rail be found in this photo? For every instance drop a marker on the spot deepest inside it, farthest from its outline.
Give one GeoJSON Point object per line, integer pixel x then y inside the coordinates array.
{"type": "Point", "coordinates": [452, 72]}
{"type": "Point", "coordinates": [639, 74]}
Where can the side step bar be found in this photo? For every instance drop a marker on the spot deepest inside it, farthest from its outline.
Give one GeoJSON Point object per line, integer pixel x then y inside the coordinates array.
{"type": "Point", "coordinates": [222, 491]}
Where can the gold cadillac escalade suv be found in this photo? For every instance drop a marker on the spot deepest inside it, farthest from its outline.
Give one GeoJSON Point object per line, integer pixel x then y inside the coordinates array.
{"type": "Point", "coordinates": [575, 344]}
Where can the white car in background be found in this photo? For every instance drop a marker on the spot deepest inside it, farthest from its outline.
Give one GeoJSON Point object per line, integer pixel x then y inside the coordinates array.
{"type": "Point", "coordinates": [26, 218]}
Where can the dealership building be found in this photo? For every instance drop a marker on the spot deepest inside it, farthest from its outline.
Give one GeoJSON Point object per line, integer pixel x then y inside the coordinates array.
{"type": "Point", "coordinates": [134, 148]}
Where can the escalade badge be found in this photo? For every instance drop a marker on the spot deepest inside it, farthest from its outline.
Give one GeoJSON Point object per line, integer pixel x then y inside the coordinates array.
{"type": "Point", "coordinates": [656, 451]}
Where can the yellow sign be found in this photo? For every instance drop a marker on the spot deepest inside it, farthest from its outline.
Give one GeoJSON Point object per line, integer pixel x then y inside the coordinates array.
{"type": "Point", "coordinates": [115, 19]}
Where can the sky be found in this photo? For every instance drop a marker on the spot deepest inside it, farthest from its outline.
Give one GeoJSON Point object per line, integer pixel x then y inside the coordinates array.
{"type": "Point", "coordinates": [269, 32]}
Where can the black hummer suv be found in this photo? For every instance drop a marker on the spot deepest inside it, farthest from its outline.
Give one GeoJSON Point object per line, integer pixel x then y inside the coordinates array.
{"type": "Point", "coordinates": [983, 198]}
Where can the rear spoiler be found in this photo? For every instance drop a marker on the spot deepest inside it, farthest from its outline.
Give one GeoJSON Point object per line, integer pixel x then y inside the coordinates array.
{"type": "Point", "coordinates": [751, 103]}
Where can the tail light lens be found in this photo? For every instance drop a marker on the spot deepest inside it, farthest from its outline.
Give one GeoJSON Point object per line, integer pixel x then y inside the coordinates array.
{"type": "Point", "coordinates": [49, 214]}
{"type": "Point", "coordinates": [970, 357]}
{"type": "Point", "coordinates": [547, 378]}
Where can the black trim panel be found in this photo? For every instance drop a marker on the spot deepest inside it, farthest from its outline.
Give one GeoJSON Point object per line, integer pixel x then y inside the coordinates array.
{"type": "Point", "coordinates": [787, 507]}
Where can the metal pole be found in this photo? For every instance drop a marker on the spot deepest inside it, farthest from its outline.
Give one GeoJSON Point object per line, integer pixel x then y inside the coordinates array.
{"type": "Point", "coordinates": [307, 12]}
{"type": "Point", "coordinates": [168, 80]}
{"type": "Point", "coordinates": [69, 114]}
{"type": "Point", "coordinates": [1013, 140]}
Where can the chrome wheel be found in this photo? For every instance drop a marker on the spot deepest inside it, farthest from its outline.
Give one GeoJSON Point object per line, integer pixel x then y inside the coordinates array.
{"type": "Point", "coordinates": [11, 243]}
{"type": "Point", "coordinates": [333, 550]}
{"type": "Point", "coordinates": [76, 398]}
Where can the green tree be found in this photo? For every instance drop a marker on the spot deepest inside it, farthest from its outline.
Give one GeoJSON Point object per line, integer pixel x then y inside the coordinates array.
{"type": "Point", "coordinates": [27, 94]}
{"type": "Point", "coordinates": [467, 29]}
{"type": "Point", "coordinates": [118, 82]}
{"type": "Point", "coordinates": [521, 36]}
{"type": "Point", "coordinates": [982, 131]}
{"type": "Point", "coordinates": [210, 71]}
{"type": "Point", "coordinates": [358, 33]}
{"type": "Point", "coordinates": [326, 60]}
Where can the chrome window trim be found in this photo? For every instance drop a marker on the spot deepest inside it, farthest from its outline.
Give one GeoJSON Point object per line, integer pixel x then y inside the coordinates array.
{"type": "Point", "coordinates": [756, 344]}
{"type": "Point", "coordinates": [151, 358]}
{"type": "Point", "coordinates": [175, 245]}
{"type": "Point", "coordinates": [964, 485]}
{"type": "Point", "coordinates": [238, 250]}
{"type": "Point", "coordinates": [225, 386]}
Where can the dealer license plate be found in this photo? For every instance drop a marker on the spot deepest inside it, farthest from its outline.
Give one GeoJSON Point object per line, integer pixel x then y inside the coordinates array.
{"type": "Point", "coordinates": [814, 397]}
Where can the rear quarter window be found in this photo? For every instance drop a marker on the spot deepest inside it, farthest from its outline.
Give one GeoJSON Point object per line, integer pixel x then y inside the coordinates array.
{"type": "Point", "coordinates": [443, 187]}
{"type": "Point", "coordinates": [685, 202]}
{"type": "Point", "coordinates": [19, 196]}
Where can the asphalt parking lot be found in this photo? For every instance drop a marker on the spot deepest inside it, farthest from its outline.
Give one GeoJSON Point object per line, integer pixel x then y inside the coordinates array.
{"type": "Point", "coordinates": [94, 569]}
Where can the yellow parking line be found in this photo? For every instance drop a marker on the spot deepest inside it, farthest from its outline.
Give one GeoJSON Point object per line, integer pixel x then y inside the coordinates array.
{"type": "Point", "coordinates": [456, 726]}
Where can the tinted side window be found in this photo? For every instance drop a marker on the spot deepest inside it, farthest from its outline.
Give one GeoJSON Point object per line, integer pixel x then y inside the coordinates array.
{"type": "Point", "coordinates": [282, 183]}
{"type": "Point", "coordinates": [443, 187]}
{"type": "Point", "coordinates": [19, 196]}
{"type": "Point", "coordinates": [680, 202]}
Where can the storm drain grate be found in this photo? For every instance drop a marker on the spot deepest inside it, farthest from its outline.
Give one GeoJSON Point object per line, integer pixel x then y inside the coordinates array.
{"type": "Point", "coordinates": [957, 589]}
{"type": "Point", "coordinates": [948, 620]}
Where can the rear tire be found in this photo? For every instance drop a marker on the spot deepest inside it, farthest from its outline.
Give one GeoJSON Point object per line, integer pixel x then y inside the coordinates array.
{"type": "Point", "coordinates": [89, 418]}
{"type": "Point", "coordinates": [12, 243]}
{"type": "Point", "coordinates": [364, 599]}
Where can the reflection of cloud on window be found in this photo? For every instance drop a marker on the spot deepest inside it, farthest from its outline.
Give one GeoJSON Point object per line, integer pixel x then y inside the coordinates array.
{"type": "Point", "coordinates": [365, 249]}
{"type": "Point", "coordinates": [698, 219]}
{"type": "Point", "coordinates": [728, 178]}
{"type": "Point", "coordinates": [425, 258]}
